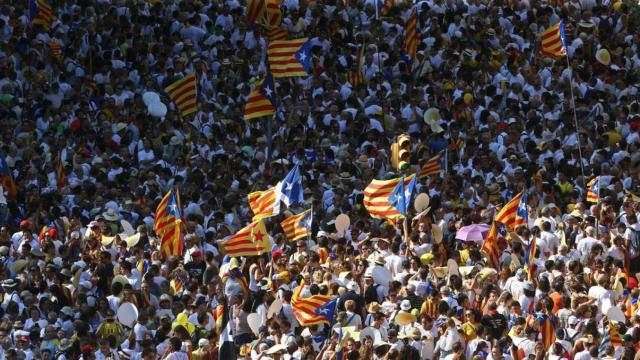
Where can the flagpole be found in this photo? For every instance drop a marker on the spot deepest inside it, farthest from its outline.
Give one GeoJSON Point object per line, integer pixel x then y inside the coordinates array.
{"type": "Point", "coordinates": [269, 137]}
{"type": "Point", "coordinates": [575, 117]}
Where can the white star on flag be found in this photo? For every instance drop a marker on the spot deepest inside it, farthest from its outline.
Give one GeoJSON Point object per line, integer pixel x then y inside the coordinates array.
{"type": "Point", "coordinates": [303, 57]}
{"type": "Point", "coordinates": [268, 91]}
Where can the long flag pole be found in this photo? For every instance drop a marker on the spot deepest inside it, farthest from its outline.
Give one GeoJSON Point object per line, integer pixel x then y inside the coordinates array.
{"type": "Point", "coordinates": [575, 118]}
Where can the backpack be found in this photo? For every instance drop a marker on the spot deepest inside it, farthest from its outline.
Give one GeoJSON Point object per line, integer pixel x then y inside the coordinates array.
{"type": "Point", "coordinates": [371, 294]}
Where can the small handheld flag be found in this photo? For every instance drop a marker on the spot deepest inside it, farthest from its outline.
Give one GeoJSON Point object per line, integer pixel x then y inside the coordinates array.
{"type": "Point", "coordinates": [553, 41]}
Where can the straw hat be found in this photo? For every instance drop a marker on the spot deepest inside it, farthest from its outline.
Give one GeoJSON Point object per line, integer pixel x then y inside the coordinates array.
{"type": "Point", "coordinates": [374, 307]}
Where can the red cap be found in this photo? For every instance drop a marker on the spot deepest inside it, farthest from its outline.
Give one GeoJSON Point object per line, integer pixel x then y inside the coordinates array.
{"type": "Point", "coordinates": [632, 282]}
{"type": "Point", "coordinates": [25, 224]}
{"type": "Point", "coordinates": [53, 233]}
{"type": "Point", "coordinates": [276, 254]}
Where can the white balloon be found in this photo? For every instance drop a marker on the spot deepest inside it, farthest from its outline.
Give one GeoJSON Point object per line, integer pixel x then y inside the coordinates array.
{"type": "Point", "coordinates": [127, 314]}
{"type": "Point", "coordinates": [157, 109]}
{"type": "Point", "coordinates": [150, 97]}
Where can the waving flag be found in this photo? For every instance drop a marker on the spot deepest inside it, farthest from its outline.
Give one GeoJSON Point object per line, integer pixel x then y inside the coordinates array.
{"type": "Point", "coordinates": [297, 226]}
{"type": "Point", "coordinates": [61, 179]}
{"type": "Point", "coordinates": [411, 36]}
{"type": "Point", "coordinates": [54, 48]}
{"type": "Point", "coordinates": [490, 246]}
{"type": "Point", "coordinates": [289, 57]}
{"type": "Point", "coordinates": [355, 76]}
{"type": "Point", "coordinates": [256, 10]}
{"type": "Point", "coordinates": [276, 33]}
{"type": "Point", "coordinates": [553, 41]}
{"type": "Point", "coordinates": [435, 165]}
{"type": "Point", "coordinates": [273, 16]}
{"type": "Point", "coordinates": [328, 310]}
{"type": "Point", "coordinates": [168, 225]}
{"type": "Point", "coordinates": [401, 196]}
{"type": "Point", "coordinates": [7, 179]}
{"type": "Point", "coordinates": [183, 93]}
{"type": "Point", "coordinates": [530, 257]}
{"type": "Point", "coordinates": [376, 198]}
{"type": "Point", "coordinates": [262, 100]}
{"type": "Point", "coordinates": [522, 213]}
{"type": "Point", "coordinates": [593, 193]}
{"type": "Point", "coordinates": [263, 204]}
{"type": "Point", "coordinates": [291, 188]}
{"type": "Point", "coordinates": [252, 240]}
{"type": "Point", "coordinates": [41, 13]}
{"type": "Point", "coordinates": [508, 214]}
{"type": "Point", "coordinates": [305, 309]}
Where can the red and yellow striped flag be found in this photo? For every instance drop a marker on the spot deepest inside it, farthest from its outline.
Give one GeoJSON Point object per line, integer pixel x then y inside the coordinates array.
{"type": "Point", "coordinates": [41, 13]}
{"type": "Point", "coordinates": [61, 179]}
{"type": "Point", "coordinates": [548, 325]}
{"type": "Point", "coordinates": [289, 58]}
{"type": "Point", "coordinates": [552, 42]}
{"type": "Point", "coordinates": [55, 48]}
{"type": "Point", "coordinates": [304, 309]}
{"type": "Point", "coordinates": [277, 33]}
{"type": "Point", "coordinates": [490, 246]}
{"type": "Point", "coordinates": [355, 77]}
{"type": "Point", "coordinates": [376, 198]}
{"type": "Point", "coordinates": [262, 100]}
{"type": "Point", "coordinates": [507, 214]}
{"type": "Point", "coordinates": [168, 225]}
{"type": "Point", "coordinates": [273, 16]}
{"type": "Point", "coordinates": [411, 36]}
{"type": "Point", "coordinates": [433, 166]}
{"type": "Point", "coordinates": [184, 93]}
{"type": "Point", "coordinates": [256, 10]}
{"type": "Point", "coordinates": [297, 226]}
{"type": "Point", "coordinates": [263, 204]}
{"type": "Point", "coordinates": [593, 190]}
{"type": "Point", "coordinates": [252, 240]}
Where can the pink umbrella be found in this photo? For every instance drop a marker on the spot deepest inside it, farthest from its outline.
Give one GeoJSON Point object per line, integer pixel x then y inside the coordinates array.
{"type": "Point", "coordinates": [473, 232]}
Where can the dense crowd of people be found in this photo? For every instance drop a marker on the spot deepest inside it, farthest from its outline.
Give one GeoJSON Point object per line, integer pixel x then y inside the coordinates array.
{"type": "Point", "coordinates": [90, 165]}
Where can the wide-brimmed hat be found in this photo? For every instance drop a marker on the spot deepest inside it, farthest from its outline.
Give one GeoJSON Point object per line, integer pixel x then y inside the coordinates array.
{"type": "Point", "coordinates": [111, 215]}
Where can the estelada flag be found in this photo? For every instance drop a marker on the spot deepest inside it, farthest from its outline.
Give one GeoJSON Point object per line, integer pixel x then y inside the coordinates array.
{"type": "Point", "coordinates": [490, 246]}
{"type": "Point", "coordinates": [297, 226]}
{"type": "Point", "coordinates": [433, 166]}
{"type": "Point", "coordinates": [376, 198]}
{"type": "Point", "coordinates": [256, 10]}
{"type": "Point", "coordinates": [289, 57]}
{"type": "Point", "coordinates": [262, 100]}
{"type": "Point", "coordinates": [508, 214]}
{"type": "Point", "coordinates": [252, 240]}
{"type": "Point", "coordinates": [411, 35]}
{"type": "Point", "coordinates": [304, 309]}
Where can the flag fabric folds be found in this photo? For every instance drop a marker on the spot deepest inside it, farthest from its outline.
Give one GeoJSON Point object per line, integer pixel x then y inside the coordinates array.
{"type": "Point", "coordinates": [263, 203]}
{"type": "Point", "coordinates": [548, 324]}
{"type": "Point", "coordinates": [593, 192]}
{"type": "Point", "coordinates": [328, 310]}
{"type": "Point", "coordinates": [291, 188]}
{"type": "Point", "coordinates": [508, 214]}
{"type": "Point", "coordinates": [183, 93]}
{"type": "Point", "coordinates": [297, 226]}
{"type": "Point", "coordinates": [530, 257]}
{"type": "Point", "coordinates": [252, 240]}
{"type": "Point", "coordinates": [490, 246]}
{"type": "Point", "coordinates": [631, 305]}
{"type": "Point", "coordinates": [61, 179]}
{"type": "Point", "coordinates": [411, 36]}
{"type": "Point", "coordinates": [168, 225]}
{"type": "Point", "coordinates": [553, 41]}
{"type": "Point", "coordinates": [401, 196]}
{"type": "Point", "coordinates": [355, 77]}
{"type": "Point", "coordinates": [435, 165]}
{"type": "Point", "coordinates": [305, 309]}
{"type": "Point", "coordinates": [41, 13]}
{"type": "Point", "coordinates": [386, 7]}
{"type": "Point", "coordinates": [376, 198]}
{"type": "Point", "coordinates": [274, 15]}
{"type": "Point", "coordinates": [227, 349]}
{"type": "Point", "coordinates": [256, 10]}
{"type": "Point", "coordinates": [276, 33]}
{"type": "Point", "coordinates": [289, 57]}
{"type": "Point", "coordinates": [262, 100]}
{"type": "Point", "coordinates": [54, 48]}
{"type": "Point", "coordinates": [7, 179]}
